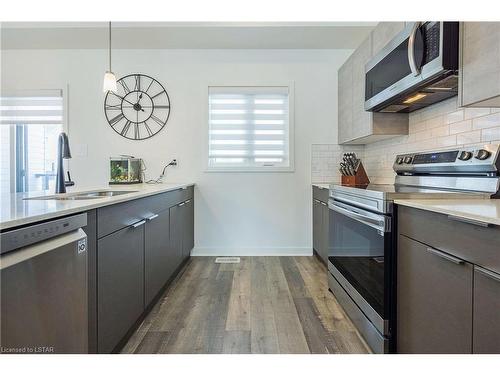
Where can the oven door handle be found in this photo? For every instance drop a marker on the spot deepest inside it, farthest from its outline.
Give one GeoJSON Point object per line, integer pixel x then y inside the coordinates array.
{"type": "Point", "coordinates": [379, 223]}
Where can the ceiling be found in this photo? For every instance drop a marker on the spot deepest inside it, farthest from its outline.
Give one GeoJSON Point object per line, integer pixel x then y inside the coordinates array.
{"type": "Point", "coordinates": [185, 35]}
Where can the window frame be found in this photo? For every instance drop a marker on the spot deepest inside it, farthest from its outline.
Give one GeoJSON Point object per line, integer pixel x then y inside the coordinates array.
{"type": "Point", "coordinates": [254, 169]}
{"type": "Point", "coordinates": [65, 128]}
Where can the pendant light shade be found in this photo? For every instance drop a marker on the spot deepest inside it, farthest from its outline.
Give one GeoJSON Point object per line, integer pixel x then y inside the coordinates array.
{"type": "Point", "coordinates": [109, 83]}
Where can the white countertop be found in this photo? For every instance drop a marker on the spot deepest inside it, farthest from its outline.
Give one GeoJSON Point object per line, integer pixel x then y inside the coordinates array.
{"type": "Point", "coordinates": [484, 210]}
{"type": "Point", "coordinates": [15, 210]}
{"type": "Point", "coordinates": [322, 186]}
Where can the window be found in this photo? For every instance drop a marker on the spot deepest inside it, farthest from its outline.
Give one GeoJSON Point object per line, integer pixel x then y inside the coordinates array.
{"type": "Point", "coordinates": [249, 129]}
{"type": "Point", "coordinates": [29, 127]}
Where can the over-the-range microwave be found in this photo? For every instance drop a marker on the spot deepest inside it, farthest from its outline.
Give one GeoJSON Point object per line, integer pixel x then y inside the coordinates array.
{"type": "Point", "coordinates": [417, 68]}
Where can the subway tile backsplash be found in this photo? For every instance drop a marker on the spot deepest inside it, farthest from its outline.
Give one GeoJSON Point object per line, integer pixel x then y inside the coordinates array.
{"type": "Point", "coordinates": [441, 126]}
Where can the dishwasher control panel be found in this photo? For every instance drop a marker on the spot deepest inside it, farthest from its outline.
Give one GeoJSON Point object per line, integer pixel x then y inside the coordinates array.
{"type": "Point", "coordinates": [20, 237]}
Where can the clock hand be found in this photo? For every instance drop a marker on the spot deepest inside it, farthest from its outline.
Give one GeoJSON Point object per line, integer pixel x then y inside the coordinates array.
{"type": "Point", "coordinates": [122, 98]}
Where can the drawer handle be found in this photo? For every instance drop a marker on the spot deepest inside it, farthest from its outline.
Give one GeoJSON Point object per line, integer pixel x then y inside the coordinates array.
{"type": "Point", "coordinates": [323, 203]}
{"type": "Point", "coordinates": [488, 273]}
{"type": "Point", "coordinates": [188, 201]}
{"type": "Point", "coordinates": [138, 224]}
{"type": "Point", "coordinates": [317, 201]}
{"type": "Point", "coordinates": [152, 217]}
{"type": "Point", "coordinates": [443, 255]}
{"type": "Point", "coordinates": [182, 204]}
{"type": "Point", "coordinates": [469, 221]}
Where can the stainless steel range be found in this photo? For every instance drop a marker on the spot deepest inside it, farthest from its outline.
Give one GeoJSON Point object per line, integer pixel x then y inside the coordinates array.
{"type": "Point", "coordinates": [362, 233]}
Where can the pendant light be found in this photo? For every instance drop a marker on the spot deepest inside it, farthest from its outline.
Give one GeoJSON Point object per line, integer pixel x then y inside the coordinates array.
{"type": "Point", "coordinates": [109, 77]}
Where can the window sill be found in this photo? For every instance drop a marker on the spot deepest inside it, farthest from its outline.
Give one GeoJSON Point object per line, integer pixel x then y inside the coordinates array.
{"type": "Point", "coordinates": [251, 170]}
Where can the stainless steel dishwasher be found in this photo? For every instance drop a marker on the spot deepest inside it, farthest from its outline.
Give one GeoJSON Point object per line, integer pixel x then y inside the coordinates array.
{"type": "Point", "coordinates": [43, 270]}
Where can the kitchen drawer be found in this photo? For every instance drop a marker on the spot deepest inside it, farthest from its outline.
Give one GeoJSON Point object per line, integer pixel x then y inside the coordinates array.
{"type": "Point", "coordinates": [118, 216]}
{"type": "Point", "coordinates": [320, 194]}
{"type": "Point", "coordinates": [473, 243]}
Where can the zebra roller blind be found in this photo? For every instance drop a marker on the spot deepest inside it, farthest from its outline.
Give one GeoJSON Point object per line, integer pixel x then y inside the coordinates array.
{"type": "Point", "coordinates": [249, 128]}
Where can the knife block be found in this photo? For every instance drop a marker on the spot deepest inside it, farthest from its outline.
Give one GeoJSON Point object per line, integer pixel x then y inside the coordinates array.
{"type": "Point", "coordinates": [359, 179]}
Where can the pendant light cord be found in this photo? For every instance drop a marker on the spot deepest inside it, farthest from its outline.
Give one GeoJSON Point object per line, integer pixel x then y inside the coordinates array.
{"type": "Point", "coordinates": [110, 46]}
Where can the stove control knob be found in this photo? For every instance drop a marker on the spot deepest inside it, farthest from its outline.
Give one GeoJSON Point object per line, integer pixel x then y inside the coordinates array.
{"type": "Point", "coordinates": [399, 160]}
{"type": "Point", "coordinates": [408, 159]}
{"type": "Point", "coordinates": [465, 155]}
{"type": "Point", "coordinates": [482, 154]}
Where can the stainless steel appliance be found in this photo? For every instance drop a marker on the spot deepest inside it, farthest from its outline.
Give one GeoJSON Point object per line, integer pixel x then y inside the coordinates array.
{"type": "Point", "coordinates": [416, 69]}
{"type": "Point", "coordinates": [362, 233]}
{"type": "Point", "coordinates": [43, 271]}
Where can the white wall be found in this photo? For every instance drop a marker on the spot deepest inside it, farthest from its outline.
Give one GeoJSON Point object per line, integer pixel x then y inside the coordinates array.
{"type": "Point", "coordinates": [235, 213]}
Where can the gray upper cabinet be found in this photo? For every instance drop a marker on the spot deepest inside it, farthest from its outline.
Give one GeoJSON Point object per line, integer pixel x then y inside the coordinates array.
{"type": "Point", "coordinates": [355, 125]}
{"type": "Point", "coordinates": [480, 64]}
{"type": "Point", "coordinates": [345, 102]}
{"type": "Point", "coordinates": [434, 312]}
{"type": "Point", "coordinates": [486, 311]}
{"type": "Point", "coordinates": [383, 34]}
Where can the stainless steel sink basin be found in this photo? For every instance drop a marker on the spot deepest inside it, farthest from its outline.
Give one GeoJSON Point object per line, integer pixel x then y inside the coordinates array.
{"type": "Point", "coordinates": [83, 195]}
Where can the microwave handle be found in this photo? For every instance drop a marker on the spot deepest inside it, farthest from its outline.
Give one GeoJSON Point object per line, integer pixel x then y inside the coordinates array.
{"type": "Point", "coordinates": [411, 49]}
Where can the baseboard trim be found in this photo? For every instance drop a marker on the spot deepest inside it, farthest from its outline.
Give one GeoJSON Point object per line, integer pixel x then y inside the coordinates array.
{"type": "Point", "coordinates": [257, 251]}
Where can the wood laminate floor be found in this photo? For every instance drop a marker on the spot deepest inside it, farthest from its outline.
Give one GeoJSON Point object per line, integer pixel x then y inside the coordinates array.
{"type": "Point", "coordinates": [261, 305]}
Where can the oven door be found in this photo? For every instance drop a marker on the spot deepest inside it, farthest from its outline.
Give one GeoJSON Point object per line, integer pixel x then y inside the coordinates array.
{"type": "Point", "coordinates": [411, 58]}
{"type": "Point", "coordinates": [360, 247]}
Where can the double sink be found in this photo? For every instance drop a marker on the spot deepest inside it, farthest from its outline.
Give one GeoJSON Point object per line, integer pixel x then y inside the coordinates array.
{"type": "Point", "coordinates": [83, 195]}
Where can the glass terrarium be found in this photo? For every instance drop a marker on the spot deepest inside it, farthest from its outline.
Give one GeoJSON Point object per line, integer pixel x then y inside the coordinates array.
{"type": "Point", "coordinates": [125, 170]}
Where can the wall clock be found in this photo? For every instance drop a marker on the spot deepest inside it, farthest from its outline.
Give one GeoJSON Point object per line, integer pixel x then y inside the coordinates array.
{"type": "Point", "coordinates": [139, 109]}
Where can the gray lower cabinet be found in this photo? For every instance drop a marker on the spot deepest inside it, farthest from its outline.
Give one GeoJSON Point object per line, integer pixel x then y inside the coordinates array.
{"type": "Point", "coordinates": [120, 285]}
{"type": "Point", "coordinates": [160, 261]}
{"type": "Point", "coordinates": [486, 338]}
{"type": "Point", "coordinates": [182, 229]}
{"type": "Point", "coordinates": [188, 228]}
{"type": "Point", "coordinates": [434, 312]}
{"type": "Point", "coordinates": [320, 229]}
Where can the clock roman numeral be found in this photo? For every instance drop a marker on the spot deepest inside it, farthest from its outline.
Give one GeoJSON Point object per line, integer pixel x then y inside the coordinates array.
{"type": "Point", "coordinates": [152, 80]}
{"type": "Point", "coordinates": [116, 107]}
{"type": "Point", "coordinates": [116, 120]}
{"type": "Point", "coordinates": [161, 92]}
{"type": "Point", "coordinates": [137, 134]}
{"type": "Point", "coordinates": [124, 85]}
{"type": "Point", "coordinates": [125, 128]}
{"type": "Point", "coordinates": [158, 121]}
{"type": "Point", "coordinates": [137, 83]}
{"type": "Point", "coordinates": [148, 129]}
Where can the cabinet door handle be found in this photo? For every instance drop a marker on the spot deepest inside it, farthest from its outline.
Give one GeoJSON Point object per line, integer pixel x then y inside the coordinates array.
{"type": "Point", "coordinates": [152, 217]}
{"type": "Point", "coordinates": [469, 221]}
{"type": "Point", "coordinates": [488, 273]}
{"type": "Point", "coordinates": [188, 201]}
{"type": "Point", "coordinates": [323, 203]}
{"type": "Point", "coordinates": [138, 224]}
{"type": "Point", "coordinates": [182, 204]}
{"type": "Point", "coordinates": [317, 201]}
{"type": "Point", "coordinates": [443, 255]}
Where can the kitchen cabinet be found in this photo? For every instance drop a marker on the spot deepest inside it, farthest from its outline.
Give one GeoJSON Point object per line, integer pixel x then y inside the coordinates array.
{"type": "Point", "coordinates": [188, 227]}
{"type": "Point", "coordinates": [355, 125]}
{"type": "Point", "coordinates": [448, 284]}
{"type": "Point", "coordinates": [140, 245]}
{"type": "Point", "coordinates": [120, 284]}
{"type": "Point", "coordinates": [486, 339]}
{"type": "Point", "coordinates": [434, 312]}
{"type": "Point", "coordinates": [160, 261]}
{"type": "Point", "coordinates": [320, 223]}
{"type": "Point", "coordinates": [181, 229]}
{"type": "Point", "coordinates": [480, 64]}
{"type": "Point", "coordinates": [383, 34]}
